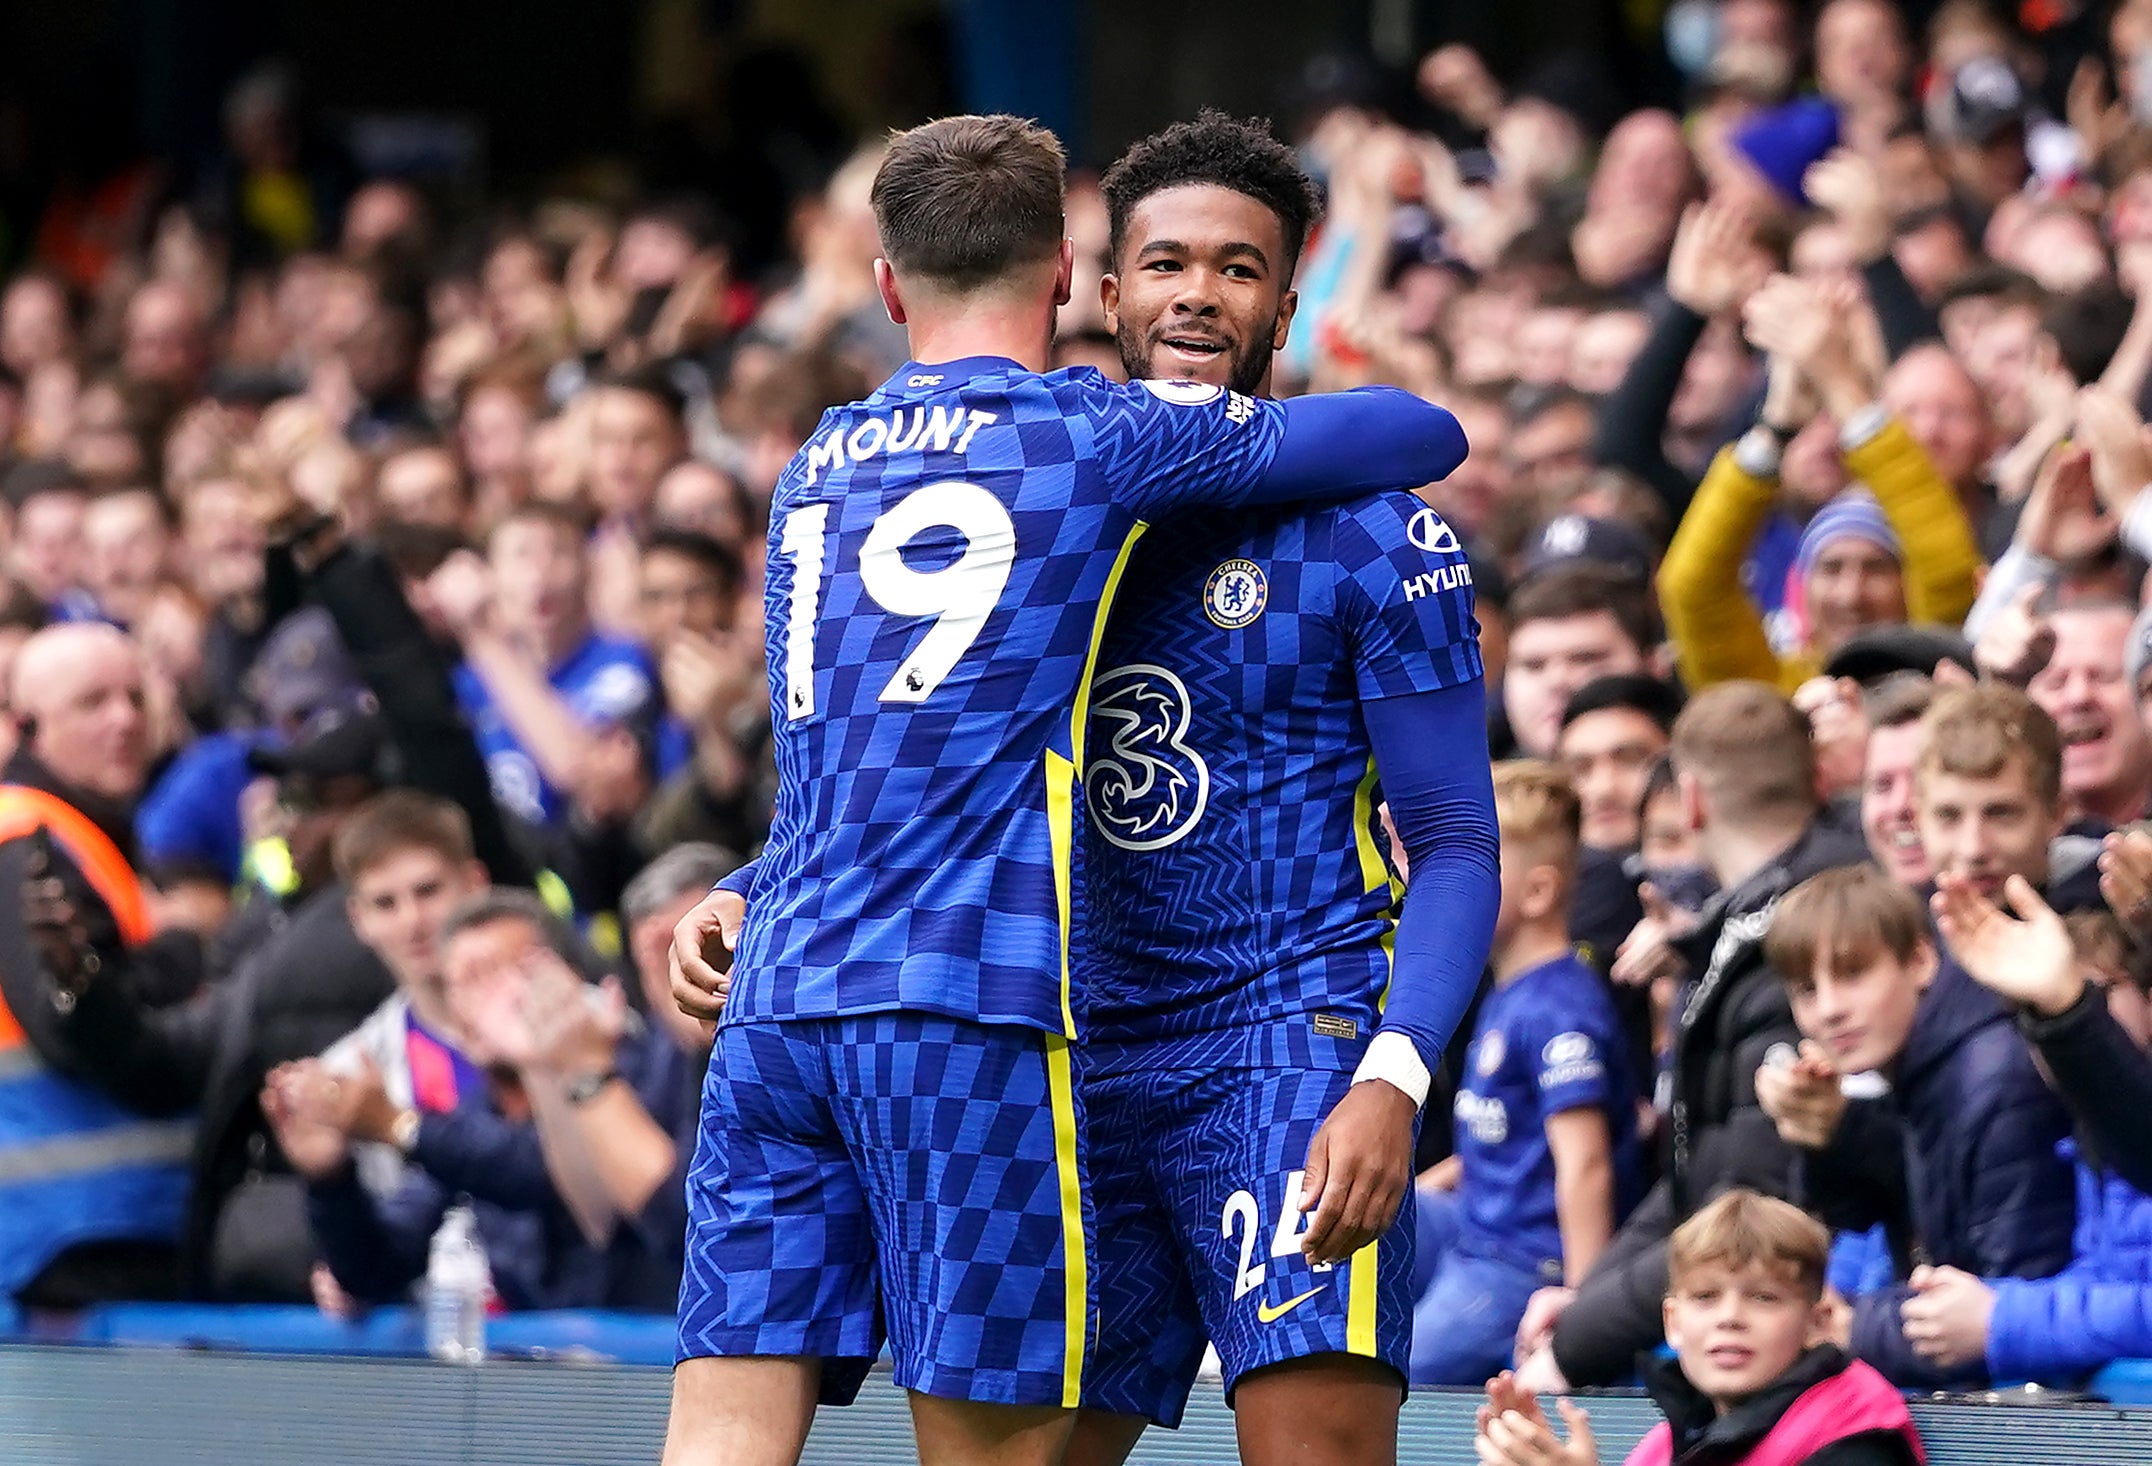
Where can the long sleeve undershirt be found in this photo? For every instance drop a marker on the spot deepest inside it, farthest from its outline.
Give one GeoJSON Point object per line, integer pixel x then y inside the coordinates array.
{"type": "Point", "coordinates": [1431, 756]}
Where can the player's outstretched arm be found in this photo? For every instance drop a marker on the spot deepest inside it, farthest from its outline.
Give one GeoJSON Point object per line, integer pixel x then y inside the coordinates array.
{"type": "Point", "coordinates": [1168, 446]}
{"type": "Point", "coordinates": [1341, 445]}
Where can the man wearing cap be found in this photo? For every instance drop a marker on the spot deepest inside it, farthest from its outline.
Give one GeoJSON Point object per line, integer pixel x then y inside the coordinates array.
{"type": "Point", "coordinates": [91, 1191]}
{"type": "Point", "coordinates": [1905, 551]}
{"type": "Point", "coordinates": [189, 822]}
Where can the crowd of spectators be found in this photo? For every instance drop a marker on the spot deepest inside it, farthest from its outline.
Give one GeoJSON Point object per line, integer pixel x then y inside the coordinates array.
{"type": "Point", "coordinates": [384, 590]}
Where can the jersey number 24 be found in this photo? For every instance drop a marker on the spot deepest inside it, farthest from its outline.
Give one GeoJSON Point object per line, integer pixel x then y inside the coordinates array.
{"type": "Point", "coordinates": [959, 596]}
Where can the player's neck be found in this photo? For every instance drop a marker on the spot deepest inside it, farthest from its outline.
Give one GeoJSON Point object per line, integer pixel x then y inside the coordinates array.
{"type": "Point", "coordinates": [1528, 947]}
{"type": "Point", "coordinates": [1015, 330]}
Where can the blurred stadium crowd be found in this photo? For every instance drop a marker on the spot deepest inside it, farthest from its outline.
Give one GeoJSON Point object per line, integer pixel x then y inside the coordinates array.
{"type": "Point", "coordinates": [381, 638]}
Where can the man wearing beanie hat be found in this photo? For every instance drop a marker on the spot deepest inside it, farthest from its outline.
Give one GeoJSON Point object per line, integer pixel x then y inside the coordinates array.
{"type": "Point", "coordinates": [1848, 571]}
{"type": "Point", "coordinates": [1904, 554]}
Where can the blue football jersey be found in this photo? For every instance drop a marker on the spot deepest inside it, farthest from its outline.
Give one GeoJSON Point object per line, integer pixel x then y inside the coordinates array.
{"type": "Point", "coordinates": [1546, 1041]}
{"type": "Point", "coordinates": [607, 682]}
{"type": "Point", "coordinates": [941, 557]}
{"type": "Point", "coordinates": [1240, 901]}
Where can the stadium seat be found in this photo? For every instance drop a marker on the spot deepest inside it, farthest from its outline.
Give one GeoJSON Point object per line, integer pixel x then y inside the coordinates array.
{"type": "Point", "coordinates": [2126, 1382]}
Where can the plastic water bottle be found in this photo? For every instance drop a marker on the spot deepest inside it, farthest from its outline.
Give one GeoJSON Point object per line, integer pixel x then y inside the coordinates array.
{"type": "Point", "coordinates": [457, 1282]}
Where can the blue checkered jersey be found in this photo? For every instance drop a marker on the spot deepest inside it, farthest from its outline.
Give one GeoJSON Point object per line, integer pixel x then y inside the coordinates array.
{"type": "Point", "coordinates": [940, 558]}
{"type": "Point", "coordinates": [1239, 898]}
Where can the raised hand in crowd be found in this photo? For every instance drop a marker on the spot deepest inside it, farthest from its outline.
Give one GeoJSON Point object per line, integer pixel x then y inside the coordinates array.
{"type": "Point", "coordinates": [1814, 329]}
{"type": "Point", "coordinates": [1849, 187]}
{"type": "Point", "coordinates": [1453, 77]}
{"type": "Point", "coordinates": [575, 1027]}
{"type": "Point", "coordinates": [1803, 1097]}
{"type": "Point", "coordinates": [2018, 640]}
{"type": "Point", "coordinates": [2126, 879]}
{"type": "Point", "coordinates": [2063, 519]}
{"type": "Point", "coordinates": [2027, 958]}
{"type": "Point", "coordinates": [1650, 952]}
{"type": "Point", "coordinates": [1838, 728]}
{"type": "Point", "coordinates": [2114, 436]}
{"type": "Point", "coordinates": [1715, 264]}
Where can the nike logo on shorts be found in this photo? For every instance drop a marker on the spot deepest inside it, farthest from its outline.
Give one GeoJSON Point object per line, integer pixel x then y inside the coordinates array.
{"type": "Point", "coordinates": [1269, 1313]}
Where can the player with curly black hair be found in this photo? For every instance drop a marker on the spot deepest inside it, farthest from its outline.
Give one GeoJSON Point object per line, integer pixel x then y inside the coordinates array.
{"type": "Point", "coordinates": [1234, 164]}
{"type": "Point", "coordinates": [1256, 1054]}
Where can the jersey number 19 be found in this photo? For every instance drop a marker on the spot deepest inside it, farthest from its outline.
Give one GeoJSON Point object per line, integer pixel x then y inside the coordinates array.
{"type": "Point", "coordinates": [959, 596]}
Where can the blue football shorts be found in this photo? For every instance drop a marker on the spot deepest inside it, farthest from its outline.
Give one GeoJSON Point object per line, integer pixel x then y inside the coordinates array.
{"type": "Point", "coordinates": [893, 1174]}
{"type": "Point", "coordinates": [1194, 1176]}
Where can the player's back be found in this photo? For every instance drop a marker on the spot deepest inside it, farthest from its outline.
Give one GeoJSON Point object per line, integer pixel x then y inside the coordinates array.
{"type": "Point", "coordinates": [939, 555]}
{"type": "Point", "coordinates": [1239, 902]}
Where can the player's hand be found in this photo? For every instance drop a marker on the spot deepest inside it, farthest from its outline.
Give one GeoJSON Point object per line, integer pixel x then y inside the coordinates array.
{"type": "Point", "coordinates": [1541, 1312]}
{"type": "Point", "coordinates": [1803, 1098]}
{"type": "Point", "coordinates": [1359, 1166]}
{"type": "Point", "coordinates": [701, 956]}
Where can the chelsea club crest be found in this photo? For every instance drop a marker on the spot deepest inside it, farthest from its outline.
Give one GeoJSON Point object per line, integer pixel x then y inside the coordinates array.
{"type": "Point", "coordinates": [1235, 594]}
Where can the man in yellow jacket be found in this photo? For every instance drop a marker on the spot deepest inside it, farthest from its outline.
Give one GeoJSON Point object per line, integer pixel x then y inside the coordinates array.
{"type": "Point", "coordinates": [1903, 551]}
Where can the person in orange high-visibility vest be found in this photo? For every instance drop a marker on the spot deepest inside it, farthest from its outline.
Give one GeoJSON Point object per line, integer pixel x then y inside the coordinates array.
{"type": "Point", "coordinates": [92, 1192]}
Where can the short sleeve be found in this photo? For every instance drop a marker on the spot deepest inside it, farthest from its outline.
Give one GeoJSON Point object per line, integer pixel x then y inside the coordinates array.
{"type": "Point", "coordinates": [1572, 1056]}
{"type": "Point", "coordinates": [1164, 446]}
{"type": "Point", "coordinates": [1405, 598]}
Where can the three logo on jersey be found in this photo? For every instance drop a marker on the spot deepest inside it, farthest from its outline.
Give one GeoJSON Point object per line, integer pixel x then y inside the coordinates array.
{"type": "Point", "coordinates": [1145, 785]}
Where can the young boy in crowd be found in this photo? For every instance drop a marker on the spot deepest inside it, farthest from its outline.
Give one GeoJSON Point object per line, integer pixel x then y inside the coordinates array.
{"type": "Point", "coordinates": [1545, 1113]}
{"type": "Point", "coordinates": [1969, 1176]}
{"type": "Point", "coordinates": [2060, 1329]}
{"type": "Point", "coordinates": [1754, 1375]}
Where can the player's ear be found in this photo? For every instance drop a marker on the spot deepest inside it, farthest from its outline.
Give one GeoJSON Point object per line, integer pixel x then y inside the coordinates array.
{"type": "Point", "coordinates": [1287, 304]}
{"type": "Point", "coordinates": [885, 282]}
{"type": "Point", "coordinates": [1109, 300]}
{"type": "Point", "coordinates": [1065, 273]}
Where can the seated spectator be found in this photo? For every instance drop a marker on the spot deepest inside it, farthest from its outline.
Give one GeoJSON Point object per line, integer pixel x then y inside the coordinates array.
{"type": "Point", "coordinates": [1614, 731]}
{"type": "Point", "coordinates": [548, 1045]}
{"type": "Point", "coordinates": [1545, 1114]}
{"type": "Point", "coordinates": [1979, 1185]}
{"type": "Point", "coordinates": [1889, 813]}
{"type": "Point", "coordinates": [1746, 779]}
{"type": "Point", "coordinates": [1568, 625]}
{"type": "Point", "coordinates": [1754, 1377]}
{"type": "Point", "coordinates": [1906, 554]}
{"type": "Point", "coordinates": [561, 711]}
{"type": "Point", "coordinates": [2086, 688]}
{"type": "Point", "coordinates": [713, 743]}
{"type": "Point", "coordinates": [406, 863]}
{"type": "Point", "coordinates": [2098, 1309]}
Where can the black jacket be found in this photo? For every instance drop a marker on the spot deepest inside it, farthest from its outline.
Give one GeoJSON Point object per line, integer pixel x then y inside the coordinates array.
{"type": "Point", "coordinates": [1716, 1136]}
{"type": "Point", "coordinates": [410, 678]}
{"type": "Point", "coordinates": [1979, 1185]}
{"type": "Point", "coordinates": [1703, 1437]}
{"type": "Point", "coordinates": [2104, 1078]}
{"type": "Point", "coordinates": [306, 988]}
{"type": "Point", "coordinates": [167, 967]}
